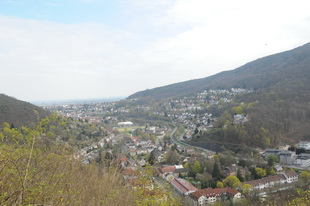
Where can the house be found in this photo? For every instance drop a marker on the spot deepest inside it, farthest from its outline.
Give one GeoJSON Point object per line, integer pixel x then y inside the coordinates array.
{"type": "Point", "coordinates": [271, 181]}
{"type": "Point", "coordinates": [124, 162]}
{"type": "Point", "coordinates": [179, 169]}
{"type": "Point", "coordinates": [132, 151]}
{"type": "Point", "coordinates": [239, 119]}
{"type": "Point", "coordinates": [291, 176]}
{"type": "Point", "coordinates": [173, 170]}
{"type": "Point", "coordinates": [274, 180]}
{"type": "Point", "coordinates": [278, 168]}
{"type": "Point", "coordinates": [210, 196]}
{"type": "Point", "coordinates": [158, 154]}
{"type": "Point", "coordinates": [129, 173]}
{"type": "Point", "coordinates": [257, 184]}
{"type": "Point", "coordinates": [233, 170]}
{"type": "Point", "coordinates": [182, 186]}
{"type": "Point", "coordinates": [141, 151]}
{"type": "Point", "coordinates": [303, 160]}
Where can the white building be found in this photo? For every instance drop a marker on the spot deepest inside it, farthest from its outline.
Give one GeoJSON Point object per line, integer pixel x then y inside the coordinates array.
{"type": "Point", "coordinates": [303, 160]}
{"type": "Point", "coordinates": [287, 157]}
{"type": "Point", "coordinates": [304, 144]}
{"type": "Point", "coordinates": [124, 124]}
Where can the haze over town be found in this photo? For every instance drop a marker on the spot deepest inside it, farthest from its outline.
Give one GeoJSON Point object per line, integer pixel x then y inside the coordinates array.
{"type": "Point", "coordinates": [94, 49]}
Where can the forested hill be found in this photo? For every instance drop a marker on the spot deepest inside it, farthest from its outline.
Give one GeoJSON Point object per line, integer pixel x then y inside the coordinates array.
{"type": "Point", "coordinates": [286, 68]}
{"type": "Point", "coordinates": [18, 112]}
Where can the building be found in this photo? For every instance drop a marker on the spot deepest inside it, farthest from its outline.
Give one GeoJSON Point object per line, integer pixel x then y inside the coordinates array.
{"type": "Point", "coordinates": [291, 176]}
{"type": "Point", "coordinates": [210, 196]}
{"type": "Point", "coordinates": [287, 157]}
{"type": "Point", "coordinates": [271, 152]}
{"type": "Point", "coordinates": [271, 181]}
{"type": "Point", "coordinates": [303, 160]}
{"type": "Point", "coordinates": [304, 144]}
{"type": "Point", "coordinates": [124, 124]}
{"type": "Point", "coordinates": [182, 186]}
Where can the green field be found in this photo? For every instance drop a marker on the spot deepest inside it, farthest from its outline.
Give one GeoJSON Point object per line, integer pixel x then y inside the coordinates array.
{"type": "Point", "coordinates": [127, 129]}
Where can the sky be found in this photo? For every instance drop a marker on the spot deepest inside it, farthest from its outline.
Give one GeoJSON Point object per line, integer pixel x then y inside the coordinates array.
{"type": "Point", "coordinates": [86, 49]}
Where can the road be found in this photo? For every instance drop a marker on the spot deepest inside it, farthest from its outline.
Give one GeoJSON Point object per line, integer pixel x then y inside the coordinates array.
{"type": "Point", "coordinates": [177, 141]}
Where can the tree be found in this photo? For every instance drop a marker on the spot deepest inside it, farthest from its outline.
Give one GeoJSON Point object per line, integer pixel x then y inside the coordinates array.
{"type": "Point", "coordinates": [272, 159]}
{"type": "Point", "coordinates": [216, 174]}
{"type": "Point", "coordinates": [246, 189]}
{"type": "Point", "coordinates": [186, 166]}
{"type": "Point", "coordinates": [219, 184]}
{"type": "Point", "coordinates": [197, 167]}
{"type": "Point", "coordinates": [151, 158]}
{"type": "Point", "coordinates": [260, 172]}
{"type": "Point", "coordinates": [304, 179]}
{"type": "Point", "coordinates": [270, 171]}
{"type": "Point", "coordinates": [231, 181]}
{"type": "Point", "coordinates": [172, 157]}
{"type": "Point", "coordinates": [237, 110]}
{"type": "Point", "coordinates": [100, 163]}
{"type": "Point", "coordinates": [239, 175]}
{"type": "Point", "coordinates": [242, 163]}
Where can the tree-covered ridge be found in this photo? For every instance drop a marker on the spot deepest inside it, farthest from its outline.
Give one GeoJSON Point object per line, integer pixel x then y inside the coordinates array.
{"type": "Point", "coordinates": [287, 67]}
{"type": "Point", "coordinates": [276, 109]}
{"type": "Point", "coordinates": [18, 112]}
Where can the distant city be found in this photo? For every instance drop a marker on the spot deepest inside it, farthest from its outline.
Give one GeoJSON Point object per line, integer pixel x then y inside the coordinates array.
{"type": "Point", "coordinates": [76, 101]}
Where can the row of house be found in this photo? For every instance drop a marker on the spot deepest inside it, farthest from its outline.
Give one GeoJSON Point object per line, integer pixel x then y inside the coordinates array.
{"type": "Point", "coordinates": [203, 196]}
{"type": "Point", "coordinates": [209, 195]}
{"type": "Point", "coordinates": [271, 181]}
{"type": "Point", "coordinates": [192, 194]}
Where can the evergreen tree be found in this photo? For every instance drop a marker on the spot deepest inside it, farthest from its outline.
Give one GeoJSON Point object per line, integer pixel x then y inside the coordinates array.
{"type": "Point", "coordinates": [216, 174]}
{"type": "Point", "coordinates": [151, 158]}
{"type": "Point", "coordinates": [100, 163]}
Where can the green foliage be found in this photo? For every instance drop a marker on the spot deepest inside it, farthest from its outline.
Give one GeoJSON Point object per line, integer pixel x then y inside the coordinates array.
{"type": "Point", "coordinates": [260, 172]}
{"type": "Point", "coordinates": [237, 110]}
{"type": "Point", "coordinates": [172, 157]}
{"type": "Point", "coordinates": [301, 199]}
{"type": "Point", "coordinates": [304, 180]}
{"type": "Point", "coordinates": [247, 189]}
{"type": "Point", "coordinates": [216, 173]}
{"type": "Point", "coordinates": [197, 167]}
{"type": "Point", "coordinates": [39, 169]}
{"type": "Point", "coordinates": [219, 184]}
{"type": "Point", "coordinates": [231, 181]}
{"type": "Point", "coordinates": [272, 159]}
{"type": "Point", "coordinates": [146, 192]}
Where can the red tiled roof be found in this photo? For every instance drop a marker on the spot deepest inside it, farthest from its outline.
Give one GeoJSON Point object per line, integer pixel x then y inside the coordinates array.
{"type": "Point", "coordinates": [273, 178]}
{"type": "Point", "coordinates": [168, 169]}
{"type": "Point", "coordinates": [209, 192]}
{"type": "Point", "coordinates": [183, 185]}
{"type": "Point", "coordinates": [255, 183]}
{"type": "Point", "coordinates": [231, 191]}
{"type": "Point", "coordinates": [290, 173]}
{"type": "Point", "coordinates": [132, 150]}
{"type": "Point", "coordinates": [124, 159]}
{"type": "Point", "coordinates": [130, 172]}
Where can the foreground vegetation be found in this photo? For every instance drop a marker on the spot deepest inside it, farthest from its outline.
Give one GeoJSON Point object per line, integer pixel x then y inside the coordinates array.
{"type": "Point", "coordinates": [39, 169]}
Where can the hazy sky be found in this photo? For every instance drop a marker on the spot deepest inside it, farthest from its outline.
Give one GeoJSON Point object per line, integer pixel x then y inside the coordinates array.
{"type": "Point", "coordinates": [75, 49]}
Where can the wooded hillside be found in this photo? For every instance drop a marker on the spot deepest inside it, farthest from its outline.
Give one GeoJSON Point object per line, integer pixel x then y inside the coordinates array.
{"type": "Point", "coordinates": [18, 112]}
